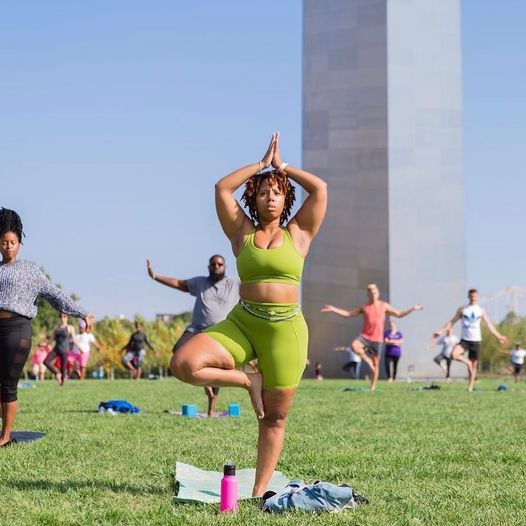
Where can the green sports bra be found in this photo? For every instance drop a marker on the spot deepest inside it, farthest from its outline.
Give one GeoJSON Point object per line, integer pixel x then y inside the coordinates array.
{"type": "Point", "coordinates": [283, 264]}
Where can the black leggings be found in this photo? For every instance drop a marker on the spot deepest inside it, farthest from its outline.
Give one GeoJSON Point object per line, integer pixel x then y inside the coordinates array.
{"type": "Point", "coordinates": [51, 357]}
{"type": "Point", "coordinates": [15, 344]}
{"type": "Point", "coordinates": [388, 361]}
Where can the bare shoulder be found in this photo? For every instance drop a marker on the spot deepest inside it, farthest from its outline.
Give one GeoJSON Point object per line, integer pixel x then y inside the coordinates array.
{"type": "Point", "coordinates": [300, 239]}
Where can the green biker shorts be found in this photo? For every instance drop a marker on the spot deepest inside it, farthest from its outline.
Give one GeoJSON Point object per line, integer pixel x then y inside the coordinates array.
{"type": "Point", "coordinates": [280, 345]}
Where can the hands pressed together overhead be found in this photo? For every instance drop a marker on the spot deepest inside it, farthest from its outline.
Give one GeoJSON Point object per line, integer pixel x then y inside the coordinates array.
{"type": "Point", "coordinates": [272, 155]}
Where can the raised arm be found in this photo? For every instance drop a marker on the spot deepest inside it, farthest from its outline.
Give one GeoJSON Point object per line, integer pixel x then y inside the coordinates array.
{"type": "Point", "coordinates": [342, 312]}
{"type": "Point", "coordinates": [502, 339]}
{"type": "Point", "coordinates": [179, 284]}
{"type": "Point", "coordinates": [449, 324]}
{"type": "Point", "coordinates": [230, 214]}
{"type": "Point", "coordinates": [311, 213]}
{"type": "Point", "coordinates": [389, 309]}
{"type": "Point", "coordinates": [60, 301]}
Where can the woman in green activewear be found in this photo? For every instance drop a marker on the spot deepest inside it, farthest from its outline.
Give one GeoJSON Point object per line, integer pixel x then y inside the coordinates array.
{"type": "Point", "coordinates": [267, 323]}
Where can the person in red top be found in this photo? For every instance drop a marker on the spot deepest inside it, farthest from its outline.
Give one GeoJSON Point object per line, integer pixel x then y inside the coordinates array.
{"type": "Point", "coordinates": [372, 336]}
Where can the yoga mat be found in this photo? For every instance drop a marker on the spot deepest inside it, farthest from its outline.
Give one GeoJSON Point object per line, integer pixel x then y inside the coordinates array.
{"type": "Point", "coordinates": [27, 436]}
{"type": "Point", "coordinates": [196, 485]}
{"type": "Point", "coordinates": [360, 389]}
{"type": "Point", "coordinates": [173, 412]}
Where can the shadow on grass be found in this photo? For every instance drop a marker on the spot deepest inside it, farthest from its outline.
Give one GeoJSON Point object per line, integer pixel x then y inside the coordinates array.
{"type": "Point", "coordinates": [45, 485]}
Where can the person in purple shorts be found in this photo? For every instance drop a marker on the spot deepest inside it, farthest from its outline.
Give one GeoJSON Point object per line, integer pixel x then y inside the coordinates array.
{"type": "Point", "coordinates": [393, 340]}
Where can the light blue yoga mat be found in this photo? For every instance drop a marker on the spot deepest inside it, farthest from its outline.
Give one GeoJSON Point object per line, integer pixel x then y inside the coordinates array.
{"type": "Point", "coordinates": [196, 485]}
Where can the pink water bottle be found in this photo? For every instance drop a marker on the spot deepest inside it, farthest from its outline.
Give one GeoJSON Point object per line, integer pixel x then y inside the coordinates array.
{"type": "Point", "coordinates": [228, 500]}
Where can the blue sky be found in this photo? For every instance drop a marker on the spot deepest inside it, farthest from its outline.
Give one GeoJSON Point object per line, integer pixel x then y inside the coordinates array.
{"type": "Point", "coordinates": [118, 117]}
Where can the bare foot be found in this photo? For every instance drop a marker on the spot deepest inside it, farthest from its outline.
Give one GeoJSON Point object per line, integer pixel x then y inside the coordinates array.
{"type": "Point", "coordinates": [255, 390]}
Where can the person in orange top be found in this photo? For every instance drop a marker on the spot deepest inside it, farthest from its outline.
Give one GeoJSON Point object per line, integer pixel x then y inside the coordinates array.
{"type": "Point", "coordinates": [371, 338]}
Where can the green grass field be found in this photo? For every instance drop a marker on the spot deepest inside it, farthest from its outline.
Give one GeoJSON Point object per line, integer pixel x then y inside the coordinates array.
{"type": "Point", "coordinates": [421, 457]}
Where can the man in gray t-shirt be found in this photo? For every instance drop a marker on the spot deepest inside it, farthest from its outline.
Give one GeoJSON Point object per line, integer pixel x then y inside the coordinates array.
{"type": "Point", "coordinates": [215, 296]}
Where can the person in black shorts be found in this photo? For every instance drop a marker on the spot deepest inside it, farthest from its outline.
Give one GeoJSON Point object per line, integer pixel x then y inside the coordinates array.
{"type": "Point", "coordinates": [470, 315]}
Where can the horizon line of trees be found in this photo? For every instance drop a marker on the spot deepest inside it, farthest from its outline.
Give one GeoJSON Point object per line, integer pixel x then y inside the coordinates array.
{"type": "Point", "coordinates": [113, 334]}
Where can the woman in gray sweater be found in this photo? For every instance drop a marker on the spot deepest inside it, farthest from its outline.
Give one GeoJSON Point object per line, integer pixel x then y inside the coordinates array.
{"type": "Point", "coordinates": [21, 284]}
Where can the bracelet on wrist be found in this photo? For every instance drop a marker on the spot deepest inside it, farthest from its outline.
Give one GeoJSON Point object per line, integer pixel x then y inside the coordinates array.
{"type": "Point", "coordinates": [259, 167]}
{"type": "Point", "coordinates": [282, 167]}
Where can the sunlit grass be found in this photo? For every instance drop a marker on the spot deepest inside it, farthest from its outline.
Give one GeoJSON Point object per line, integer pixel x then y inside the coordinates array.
{"type": "Point", "coordinates": [420, 457]}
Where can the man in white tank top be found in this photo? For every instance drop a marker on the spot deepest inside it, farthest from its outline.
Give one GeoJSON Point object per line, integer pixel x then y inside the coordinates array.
{"type": "Point", "coordinates": [470, 335]}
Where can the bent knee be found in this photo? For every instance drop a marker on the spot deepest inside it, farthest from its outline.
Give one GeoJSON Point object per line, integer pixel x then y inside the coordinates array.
{"type": "Point", "coordinates": [357, 347]}
{"type": "Point", "coordinates": [182, 368]}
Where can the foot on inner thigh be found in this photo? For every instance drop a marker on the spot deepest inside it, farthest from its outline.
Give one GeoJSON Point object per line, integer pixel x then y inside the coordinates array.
{"type": "Point", "coordinates": [256, 393]}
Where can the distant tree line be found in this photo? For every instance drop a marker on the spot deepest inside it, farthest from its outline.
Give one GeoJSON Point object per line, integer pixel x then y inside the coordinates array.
{"type": "Point", "coordinates": [494, 358]}
{"type": "Point", "coordinates": [113, 334]}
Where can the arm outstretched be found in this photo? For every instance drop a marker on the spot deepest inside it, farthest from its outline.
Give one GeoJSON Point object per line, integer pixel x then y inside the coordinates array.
{"type": "Point", "coordinates": [342, 312]}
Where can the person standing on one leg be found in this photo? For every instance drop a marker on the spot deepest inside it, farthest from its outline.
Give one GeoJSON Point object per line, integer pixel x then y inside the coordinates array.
{"type": "Point", "coordinates": [393, 340]}
{"type": "Point", "coordinates": [64, 336]}
{"type": "Point", "coordinates": [447, 342]}
{"type": "Point", "coordinates": [267, 323]}
{"type": "Point", "coordinates": [136, 351]}
{"type": "Point", "coordinates": [215, 296]}
{"type": "Point", "coordinates": [21, 284]}
{"type": "Point", "coordinates": [471, 336]}
{"type": "Point", "coordinates": [371, 338]}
